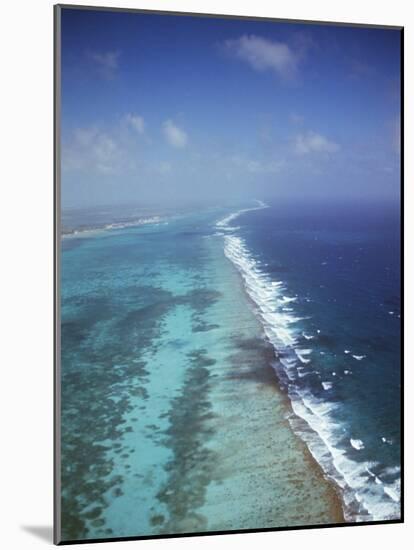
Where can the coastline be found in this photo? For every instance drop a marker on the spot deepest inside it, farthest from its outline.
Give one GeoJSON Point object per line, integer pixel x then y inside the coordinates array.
{"type": "Point", "coordinates": [311, 419]}
{"type": "Point", "coordinates": [272, 478]}
{"type": "Point", "coordinates": [95, 230]}
{"type": "Point", "coordinates": [200, 421]}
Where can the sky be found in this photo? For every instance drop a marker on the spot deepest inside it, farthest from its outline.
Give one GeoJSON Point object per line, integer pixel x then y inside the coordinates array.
{"type": "Point", "coordinates": [175, 109]}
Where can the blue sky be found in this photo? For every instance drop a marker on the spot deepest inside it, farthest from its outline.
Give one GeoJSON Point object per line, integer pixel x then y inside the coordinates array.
{"type": "Point", "coordinates": [168, 108]}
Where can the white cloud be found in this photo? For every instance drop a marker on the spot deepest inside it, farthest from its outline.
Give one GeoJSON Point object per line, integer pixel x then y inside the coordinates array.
{"type": "Point", "coordinates": [174, 135]}
{"type": "Point", "coordinates": [106, 62]}
{"type": "Point", "coordinates": [136, 122]}
{"type": "Point", "coordinates": [91, 150]}
{"type": "Point", "coordinates": [311, 142]}
{"type": "Point", "coordinates": [84, 136]}
{"type": "Point", "coordinates": [104, 151]}
{"type": "Point", "coordinates": [263, 54]}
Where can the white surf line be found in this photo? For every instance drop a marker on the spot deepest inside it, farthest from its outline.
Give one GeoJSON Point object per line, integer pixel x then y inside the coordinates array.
{"type": "Point", "coordinates": [318, 415]}
{"type": "Point", "coordinates": [224, 223]}
{"type": "Point", "coordinates": [267, 295]}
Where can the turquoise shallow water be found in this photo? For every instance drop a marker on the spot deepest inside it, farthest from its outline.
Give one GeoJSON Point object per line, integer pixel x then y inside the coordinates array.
{"type": "Point", "coordinates": [172, 420]}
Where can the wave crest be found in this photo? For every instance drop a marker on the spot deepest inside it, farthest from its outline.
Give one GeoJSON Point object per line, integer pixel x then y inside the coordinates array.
{"type": "Point", "coordinates": [366, 496]}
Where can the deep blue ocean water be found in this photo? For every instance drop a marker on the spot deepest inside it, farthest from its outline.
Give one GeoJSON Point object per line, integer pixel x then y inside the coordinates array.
{"type": "Point", "coordinates": [337, 329]}
{"type": "Point", "coordinates": [142, 329]}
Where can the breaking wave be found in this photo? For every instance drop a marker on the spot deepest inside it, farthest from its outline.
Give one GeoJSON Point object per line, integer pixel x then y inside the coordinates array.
{"type": "Point", "coordinates": [369, 491]}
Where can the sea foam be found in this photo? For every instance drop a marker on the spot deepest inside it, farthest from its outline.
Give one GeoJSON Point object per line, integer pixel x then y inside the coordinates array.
{"type": "Point", "coordinates": [365, 497]}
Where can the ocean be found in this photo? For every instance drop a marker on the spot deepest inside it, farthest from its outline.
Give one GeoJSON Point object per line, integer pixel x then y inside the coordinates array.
{"type": "Point", "coordinates": [223, 366]}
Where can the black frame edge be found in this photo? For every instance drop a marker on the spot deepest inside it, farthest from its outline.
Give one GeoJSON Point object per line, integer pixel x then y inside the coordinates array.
{"type": "Point", "coordinates": [145, 11]}
{"type": "Point", "coordinates": [402, 274]}
{"type": "Point", "coordinates": [56, 274]}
